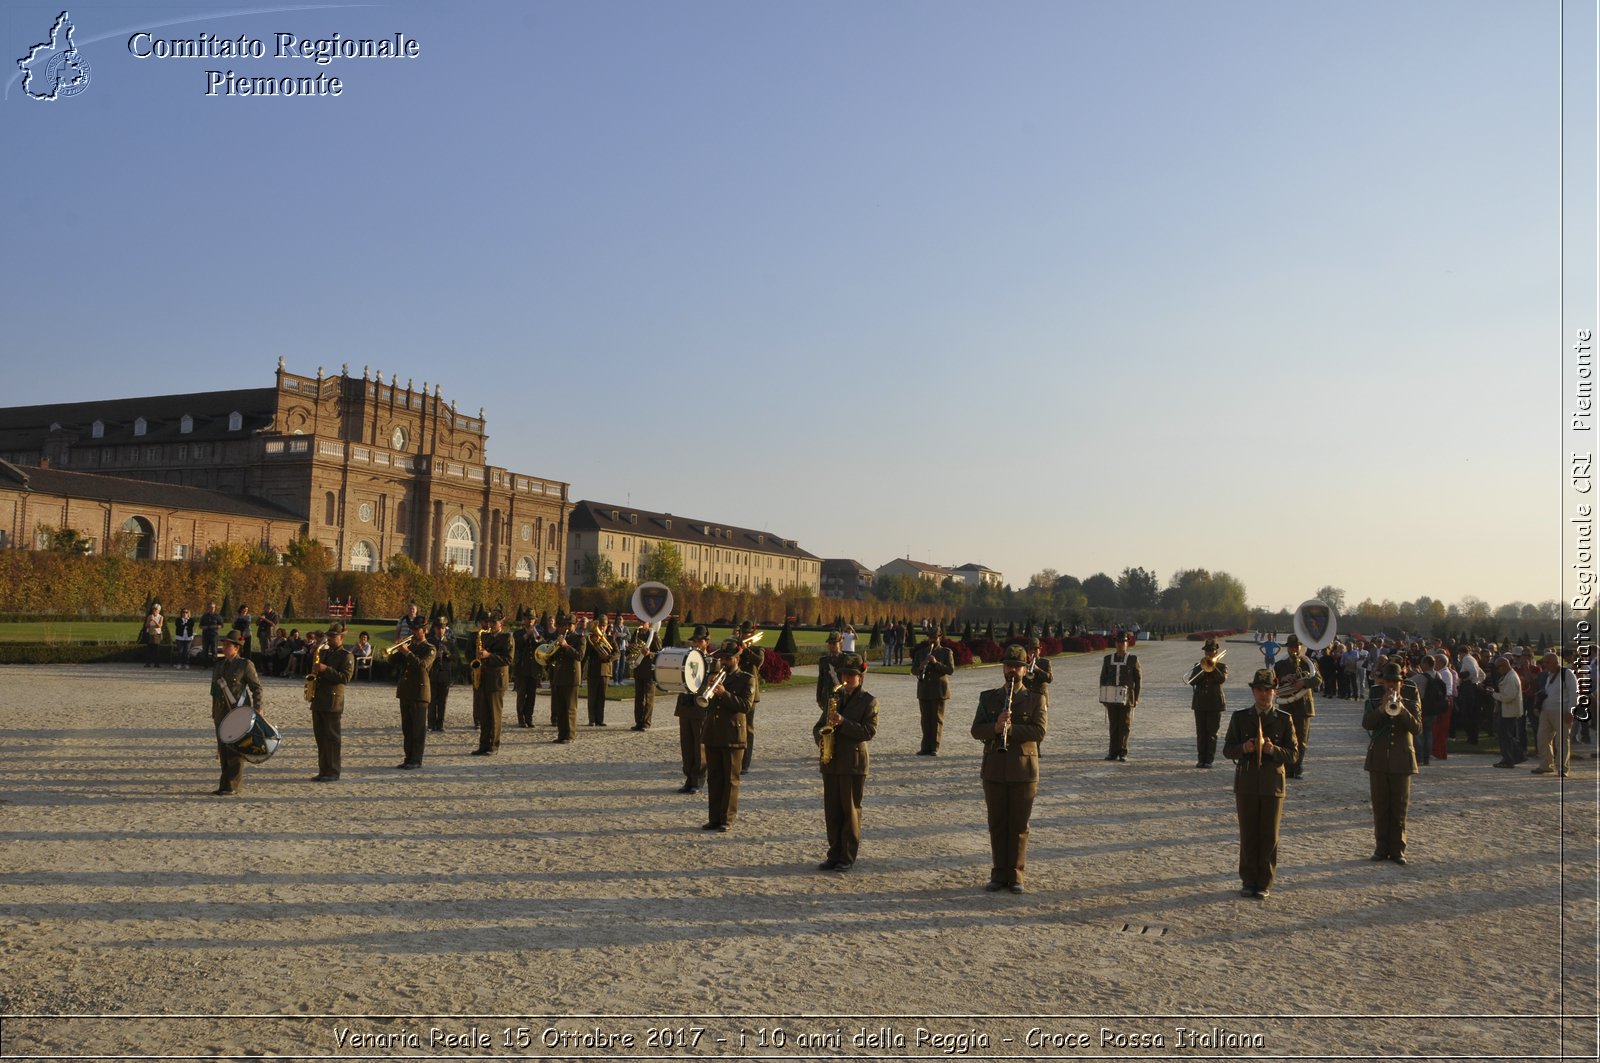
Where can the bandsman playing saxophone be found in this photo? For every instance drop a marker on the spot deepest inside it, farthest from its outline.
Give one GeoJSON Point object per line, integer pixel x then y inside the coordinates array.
{"type": "Point", "coordinates": [331, 667]}
{"type": "Point", "coordinates": [852, 715]}
{"type": "Point", "coordinates": [1010, 722]}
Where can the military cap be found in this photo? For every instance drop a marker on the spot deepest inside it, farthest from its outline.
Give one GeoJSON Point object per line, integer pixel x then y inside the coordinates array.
{"type": "Point", "coordinates": [1210, 644]}
{"type": "Point", "coordinates": [1015, 654]}
{"type": "Point", "coordinates": [563, 619]}
{"type": "Point", "coordinates": [852, 663]}
{"type": "Point", "coordinates": [700, 632]}
{"type": "Point", "coordinates": [235, 638]}
{"type": "Point", "coordinates": [1390, 671]}
{"type": "Point", "coordinates": [1292, 640]}
{"type": "Point", "coordinates": [440, 621]}
{"type": "Point", "coordinates": [1265, 677]}
{"type": "Point", "coordinates": [729, 648]}
{"type": "Point", "coordinates": [336, 628]}
{"type": "Point", "coordinates": [747, 626]}
{"type": "Point", "coordinates": [833, 637]}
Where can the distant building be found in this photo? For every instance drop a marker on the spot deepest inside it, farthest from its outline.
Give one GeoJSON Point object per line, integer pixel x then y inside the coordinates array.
{"type": "Point", "coordinates": [717, 555]}
{"type": "Point", "coordinates": [846, 578]}
{"type": "Point", "coordinates": [904, 566]}
{"type": "Point", "coordinates": [138, 518]}
{"type": "Point", "coordinates": [371, 469]}
{"type": "Point", "coordinates": [977, 575]}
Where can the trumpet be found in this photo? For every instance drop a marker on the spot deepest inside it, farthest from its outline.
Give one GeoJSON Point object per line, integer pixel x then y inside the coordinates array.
{"type": "Point", "coordinates": [1391, 704]}
{"type": "Point", "coordinates": [399, 646]}
{"type": "Point", "coordinates": [709, 691]}
{"type": "Point", "coordinates": [825, 735]}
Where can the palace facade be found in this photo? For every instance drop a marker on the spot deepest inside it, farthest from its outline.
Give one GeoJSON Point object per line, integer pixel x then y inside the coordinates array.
{"type": "Point", "coordinates": [610, 539]}
{"type": "Point", "coordinates": [370, 468]}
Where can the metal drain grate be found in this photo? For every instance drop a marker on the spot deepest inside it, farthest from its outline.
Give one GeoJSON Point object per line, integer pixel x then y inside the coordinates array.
{"type": "Point", "coordinates": [1147, 931]}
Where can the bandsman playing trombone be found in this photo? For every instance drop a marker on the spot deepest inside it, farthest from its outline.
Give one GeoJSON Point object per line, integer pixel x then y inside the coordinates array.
{"type": "Point", "coordinates": [847, 724]}
{"type": "Point", "coordinates": [1208, 701]}
{"type": "Point", "coordinates": [1010, 722]}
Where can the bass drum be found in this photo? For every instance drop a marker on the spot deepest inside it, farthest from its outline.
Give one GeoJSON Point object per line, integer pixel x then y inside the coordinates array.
{"type": "Point", "coordinates": [249, 734]}
{"type": "Point", "coordinates": [681, 670]}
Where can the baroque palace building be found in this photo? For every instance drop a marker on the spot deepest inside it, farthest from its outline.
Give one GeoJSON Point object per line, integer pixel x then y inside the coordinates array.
{"type": "Point", "coordinates": [618, 539]}
{"type": "Point", "coordinates": [370, 469]}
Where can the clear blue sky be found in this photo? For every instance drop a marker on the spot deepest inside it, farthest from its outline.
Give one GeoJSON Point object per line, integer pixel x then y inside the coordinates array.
{"type": "Point", "coordinates": [1262, 287]}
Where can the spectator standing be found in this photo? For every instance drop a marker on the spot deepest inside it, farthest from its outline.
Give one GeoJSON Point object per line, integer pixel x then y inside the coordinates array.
{"type": "Point", "coordinates": [183, 637]}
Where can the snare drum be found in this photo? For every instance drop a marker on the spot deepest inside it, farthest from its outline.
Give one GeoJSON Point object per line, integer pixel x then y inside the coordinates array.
{"type": "Point", "coordinates": [681, 670]}
{"type": "Point", "coordinates": [249, 735]}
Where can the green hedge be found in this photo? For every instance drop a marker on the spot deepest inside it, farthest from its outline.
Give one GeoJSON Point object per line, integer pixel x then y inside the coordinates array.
{"type": "Point", "coordinates": [68, 653]}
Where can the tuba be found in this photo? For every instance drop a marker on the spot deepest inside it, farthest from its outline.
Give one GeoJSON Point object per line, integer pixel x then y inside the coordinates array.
{"type": "Point", "coordinates": [825, 735]}
{"type": "Point", "coordinates": [598, 640]}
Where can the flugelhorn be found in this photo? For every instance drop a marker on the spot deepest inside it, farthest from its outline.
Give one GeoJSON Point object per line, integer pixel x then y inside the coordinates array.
{"type": "Point", "coordinates": [709, 691]}
{"type": "Point", "coordinates": [399, 646]}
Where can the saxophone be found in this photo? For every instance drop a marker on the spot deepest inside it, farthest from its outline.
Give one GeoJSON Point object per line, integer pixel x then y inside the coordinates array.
{"type": "Point", "coordinates": [311, 677]}
{"type": "Point", "coordinates": [477, 663]}
{"type": "Point", "coordinates": [825, 735]}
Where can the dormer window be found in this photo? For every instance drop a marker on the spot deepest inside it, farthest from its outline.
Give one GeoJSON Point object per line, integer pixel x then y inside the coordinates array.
{"type": "Point", "coordinates": [139, 426]}
{"type": "Point", "coordinates": [97, 430]}
{"type": "Point", "coordinates": [235, 421]}
{"type": "Point", "coordinates": [55, 426]}
{"type": "Point", "coordinates": [186, 425]}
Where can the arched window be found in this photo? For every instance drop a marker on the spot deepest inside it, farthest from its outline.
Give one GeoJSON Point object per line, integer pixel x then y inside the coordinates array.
{"type": "Point", "coordinates": [138, 539]}
{"type": "Point", "coordinates": [140, 426]}
{"type": "Point", "coordinates": [524, 568]}
{"type": "Point", "coordinates": [186, 425]}
{"type": "Point", "coordinates": [97, 430]}
{"type": "Point", "coordinates": [461, 546]}
{"type": "Point", "coordinates": [552, 543]}
{"type": "Point", "coordinates": [330, 507]}
{"type": "Point", "coordinates": [235, 421]}
{"type": "Point", "coordinates": [361, 556]}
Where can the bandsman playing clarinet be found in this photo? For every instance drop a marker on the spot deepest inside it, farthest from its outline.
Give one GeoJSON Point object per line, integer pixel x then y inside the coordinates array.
{"type": "Point", "coordinates": [1261, 743]}
{"type": "Point", "coordinates": [848, 723]}
{"type": "Point", "coordinates": [1010, 722]}
{"type": "Point", "coordinates": [232, 676]}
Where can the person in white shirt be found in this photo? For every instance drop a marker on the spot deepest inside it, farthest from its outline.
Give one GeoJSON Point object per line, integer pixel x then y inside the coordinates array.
{"type": "Point", "coordinates": [1557, 699]}
{"type": "Point", "coordinates": [1506, 694]}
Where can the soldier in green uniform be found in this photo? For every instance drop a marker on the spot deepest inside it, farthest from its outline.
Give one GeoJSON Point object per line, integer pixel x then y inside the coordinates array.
{"type": "Point", "coordinates": [828, 669]}
{"type": "Point", "coordinates": [1120, 681]}
{"type": "Point", "coordinates": [1010, 722]}
{"type": "Point", "coordinates": [1261, 743]}
{"type": "Point", "coordinates": [726, 734]}
{"type": "Point", "coordinates": [1039, 674]}
{"type": "Point", "coordinates": [1393, 713]}
{"type": "Point", "coordinates": [439, 677]}
{"type": "Point", "coordinates": [644, 679]}
{"type": "Point", "coordinates": [565, 668]}
{"type": "Point", "coordinates": [525, 671]}
{"type": "Point", "coordinates": [692, 724]}
{"type": "Point", "coordinates": [750, 658]}
{"type": "Point", "coordinates": [493, 661]}
{"type": "Point", "coordinates": [598, 655]}
{"type": "Point", "coordinates": [233, 675]}
{"type": "Point", "coordinates": [1208, 702]}
{"type": "Point", "coordinates": [851, 724]}
{"type": "Point", "coordinates": [933, 665]}
{"type": "Point", "coordinates": [413, 686]}
{"type": "Point", "coordinates": [1298, 679]}
{"type": "Point", "coordinates": [334, 666]}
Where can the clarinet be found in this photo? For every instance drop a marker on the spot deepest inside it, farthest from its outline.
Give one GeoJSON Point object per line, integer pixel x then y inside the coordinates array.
{"type": "Point", "coordinates": [1003, 743]}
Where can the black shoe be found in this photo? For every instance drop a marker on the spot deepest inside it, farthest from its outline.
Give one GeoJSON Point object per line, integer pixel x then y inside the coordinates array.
{"type": "Point", "coordinates": [1201, 764]}
{"type": "Point", "coordinates": [1122, 758]}
{"type": "Point", "coordinates": [686, 789]}
{"type": "Point", "coordinates": [724, 827]}
{"type": "Point", "coordinates": [924, 752]}
{"type": "Point", "coordinates": [1262, 895]}
{"type": "Point", "coordinates": [1402, 861]}
{"type": "Point", "coordinates": [559, 741]}
{"type": "Point", "coordinates": [712, 826]}
{"type": "Point", "coordinates": [482, 752]}
{"type": "Point", "coordinates": [1016, 887]}
{"type": "Point", "coordinates": [827, 865]}
{"type": "Point", "coordinates": [325, 778]}
{"type": "Point", "coordinates": [1248, 891]}
{"type": "Point", "coordinates": [223, 791]}
{"type": "Point", "coordinates": [841, 867]}
{"type": "Point", "coordinates": [1379, 856]}
{"type": "Point", "coordinates": [636, 727]}
{"type": "Point", "coordinates": [1502, 764]}
{"type": "Point", "coordinates": [410, 765]}
{"type": "Point", "coordinates": [1110, 756]}
{"type": "Point", "coordinates": [994, 887]}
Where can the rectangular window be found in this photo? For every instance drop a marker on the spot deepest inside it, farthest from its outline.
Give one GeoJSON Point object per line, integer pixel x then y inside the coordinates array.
{"type": "Point", "coordinates": [624, 570]}
{"type": "Point", "coordinates": [180, 552]}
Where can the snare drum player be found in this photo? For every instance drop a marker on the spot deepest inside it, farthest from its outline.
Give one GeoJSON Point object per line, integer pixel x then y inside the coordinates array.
{"type": "Point", "coordinates": [1393, 713]}
{"type": "Point", "coordinates": [414, 689]}
{"type": "Point", "coordinates": [1119, 693]}
{"type": "Point", "coordinates": [232, 675]}
{"type": "Point", "coordinates": [334, 666]}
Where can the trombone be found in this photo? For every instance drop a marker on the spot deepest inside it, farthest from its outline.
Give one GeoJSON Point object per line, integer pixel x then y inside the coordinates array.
{"type": "Point", "coordinates": [1205, 664]}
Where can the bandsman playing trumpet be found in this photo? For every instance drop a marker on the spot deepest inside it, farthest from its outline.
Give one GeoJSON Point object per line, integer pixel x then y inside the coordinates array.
{"type": "Point", "coordinates": [1393, 713]}
{"type": "Point", "coordinates": [1010, 722]}
{"type": "Point", "coordinates": [851, 721]}
{"type": "Point", "coordinates": [728, 699]}
{"type": "Point", "coordinates": [413, 660]}
{"type": "Point", "coordinates": [1039, 675]}
{"type": "Point", "coordinates": [933, 664]}
{"type": "Point", "coordinates": [562, 660]}
{"type": "Point", "coordinates": [331, 667]}
{"type": "Point", "coordinates": [493, 661]}
{"type": "Point", "coordinates": [1208, 701]}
